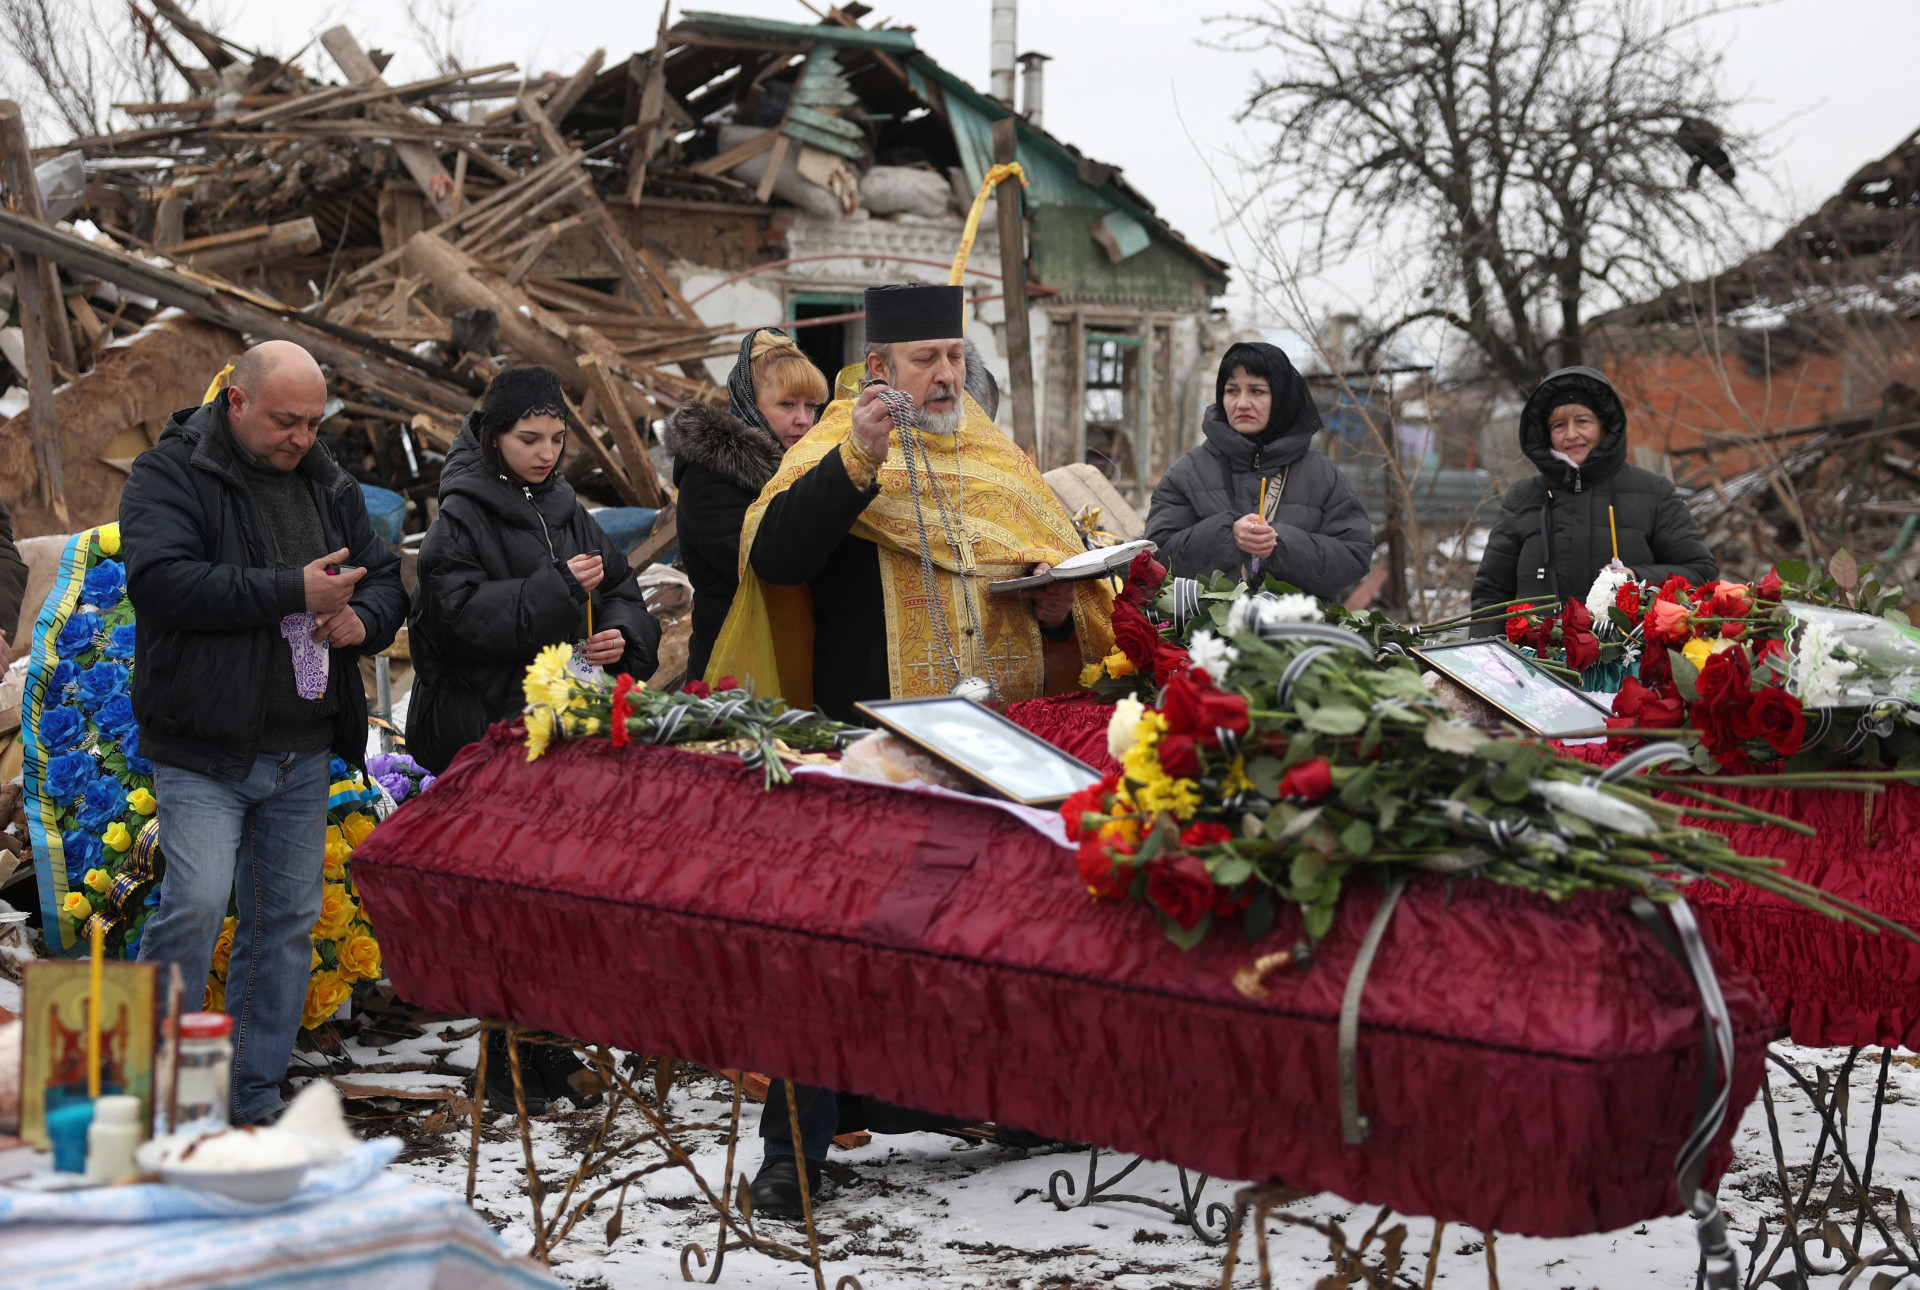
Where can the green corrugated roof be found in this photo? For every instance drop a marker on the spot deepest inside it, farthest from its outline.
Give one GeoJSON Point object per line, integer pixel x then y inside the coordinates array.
{"type": "Point", "coordinates": [886, 39]}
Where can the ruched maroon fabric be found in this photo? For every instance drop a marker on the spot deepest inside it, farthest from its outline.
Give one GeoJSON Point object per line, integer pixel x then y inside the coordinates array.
{"type": "Point", "coordinates": [1833, 985]}
{"type": "Point", "coordinates": [1528, 1066]}
{"type": "Point", "coordinates": [1074, 723]}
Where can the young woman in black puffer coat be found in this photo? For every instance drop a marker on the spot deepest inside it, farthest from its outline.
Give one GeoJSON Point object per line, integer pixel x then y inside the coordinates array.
{"type": "Point", "coordinates": [508, 567]}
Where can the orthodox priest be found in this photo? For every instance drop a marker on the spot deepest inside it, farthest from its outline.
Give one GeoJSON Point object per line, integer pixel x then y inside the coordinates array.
{"type": "Point", "coordinates": [865, 561]}
{"type": "Point", "coordinates": [864, 572]}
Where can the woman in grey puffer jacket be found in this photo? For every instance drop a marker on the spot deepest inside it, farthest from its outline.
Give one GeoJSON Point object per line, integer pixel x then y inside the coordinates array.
{"type": "Point", "coordinates": [1315, 533]}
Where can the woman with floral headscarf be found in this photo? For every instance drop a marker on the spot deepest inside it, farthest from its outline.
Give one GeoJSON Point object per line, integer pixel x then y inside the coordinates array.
{"type": "Point", "coordinates": [723, 457]}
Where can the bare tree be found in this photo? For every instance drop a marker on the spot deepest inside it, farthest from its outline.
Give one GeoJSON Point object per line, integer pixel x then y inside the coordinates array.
{"type": "Point", "coordinates": [1530, 157]}
{"type": "Point", "coordinates": [437, 27]}
{"type": "Point", "coordinates": [69, 61]}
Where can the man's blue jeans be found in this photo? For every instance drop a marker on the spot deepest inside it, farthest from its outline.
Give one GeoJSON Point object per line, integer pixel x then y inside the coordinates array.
{"type": "Point", "coordinates": [264, 839]}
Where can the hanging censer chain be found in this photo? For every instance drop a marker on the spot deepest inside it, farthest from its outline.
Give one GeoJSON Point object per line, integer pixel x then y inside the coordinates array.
{"type": "Point", "coordinates": [913, 449]}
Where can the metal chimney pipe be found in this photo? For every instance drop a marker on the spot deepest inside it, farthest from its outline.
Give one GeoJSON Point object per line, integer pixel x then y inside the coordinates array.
{"type": "Point", "coordinates": [1033, 84]}
{"type": "Point", "coordinates": [1005, 23]}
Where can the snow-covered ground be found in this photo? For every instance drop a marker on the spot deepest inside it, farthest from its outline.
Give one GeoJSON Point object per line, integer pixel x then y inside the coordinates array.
{"type": "Point", "coordinates": [926, 1210]}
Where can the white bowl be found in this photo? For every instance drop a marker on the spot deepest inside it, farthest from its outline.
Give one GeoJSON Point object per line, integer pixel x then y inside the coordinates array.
{"type": "Point", "coordinates": [262, 1186]}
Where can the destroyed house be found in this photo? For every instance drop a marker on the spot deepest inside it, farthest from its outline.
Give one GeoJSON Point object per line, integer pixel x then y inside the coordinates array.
{"type": "Point", "coordinates": [625, 223]}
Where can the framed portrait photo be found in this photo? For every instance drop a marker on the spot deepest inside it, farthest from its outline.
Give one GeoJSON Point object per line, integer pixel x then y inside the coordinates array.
{"type": "Point", "coordinates": [1517, 686]}
{"type": "Point", "coordinates": [985, 747]}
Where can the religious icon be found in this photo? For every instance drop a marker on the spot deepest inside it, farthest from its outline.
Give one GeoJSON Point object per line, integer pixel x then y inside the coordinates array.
{"type": "Point", "coordinates": [54, 1040]}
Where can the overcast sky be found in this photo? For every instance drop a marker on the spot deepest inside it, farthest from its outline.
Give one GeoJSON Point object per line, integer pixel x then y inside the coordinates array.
{"type": "Point", "coordinates": [1830, 82]}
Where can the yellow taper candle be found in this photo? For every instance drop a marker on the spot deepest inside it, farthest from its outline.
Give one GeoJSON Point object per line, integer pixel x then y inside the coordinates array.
{"type": "Point", "coordinates": [1614, 533]}
{"type": "Point", "coordinates": [94, 1000]}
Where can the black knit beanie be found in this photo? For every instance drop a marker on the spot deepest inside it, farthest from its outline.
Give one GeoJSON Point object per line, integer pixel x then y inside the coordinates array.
{"type": "Point", "coordinates": [513, 395]}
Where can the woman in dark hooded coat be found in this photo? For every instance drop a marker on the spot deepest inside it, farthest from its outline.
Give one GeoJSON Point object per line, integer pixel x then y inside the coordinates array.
{"type": "Point", "coordinates": [722, 458]}
{"type": "Point", "coordinates": [1314, 534]}
{"type": "Point", "coordinates": [1552, 537]}
{"type": "Point", "coordinates": [507, 567]}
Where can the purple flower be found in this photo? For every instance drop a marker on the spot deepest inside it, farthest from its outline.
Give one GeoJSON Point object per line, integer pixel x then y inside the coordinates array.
{"type": "Point", "coordinates": [427, 782]}
{"type": "Point", "coordinates": [397, 785]}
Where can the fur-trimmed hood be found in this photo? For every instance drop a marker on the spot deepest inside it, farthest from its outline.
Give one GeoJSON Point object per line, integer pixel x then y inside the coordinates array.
{"type": "Point", "coordinates": [706, 435]}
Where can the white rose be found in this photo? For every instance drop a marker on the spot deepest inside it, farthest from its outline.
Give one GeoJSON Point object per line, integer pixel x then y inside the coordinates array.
{"type": "Point", "coordinates": [1126, 716]}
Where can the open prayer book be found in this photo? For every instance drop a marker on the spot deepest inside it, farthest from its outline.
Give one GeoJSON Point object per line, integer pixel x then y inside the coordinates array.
{"type": "Point", "coordinates": [1101, 562]}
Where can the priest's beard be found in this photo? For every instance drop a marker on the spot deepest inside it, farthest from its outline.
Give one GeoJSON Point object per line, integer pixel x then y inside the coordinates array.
{"type": "Point", "coordinates": [940, 423]}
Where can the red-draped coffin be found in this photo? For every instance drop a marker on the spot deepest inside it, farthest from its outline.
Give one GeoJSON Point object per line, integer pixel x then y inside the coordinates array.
{"type": "Point", "coordinates": [1527, 1066]}
{"type": "Point", "coordinates": [1832, 984]}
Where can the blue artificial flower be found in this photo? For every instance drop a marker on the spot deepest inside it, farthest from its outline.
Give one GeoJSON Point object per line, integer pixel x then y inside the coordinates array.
{"type": "Point", "coordinates": [338, 769]}
{"type": "Point", "coordinates": [105, 802]}
{"type": "Point", "coordinates": [68, 775]}
{"type": "Point", "coordinates": [66, 673]}
{"type": "Point", "coordinates": [105, 584]}
{"type": "Point", "coordinates": [120, 642]}
{"type": "Point", "coordinates": [83, 852]}
{"type": "Point", "coordinates": [101, 682]}
{"type": "Point", "coordinates": [78, 634]}
{"type": "Point", "coordinates": [130, 749]}
{"type": "Point", "coordinates": [115, 717]}
{"type": "Point", "coordinates": [62, 728]}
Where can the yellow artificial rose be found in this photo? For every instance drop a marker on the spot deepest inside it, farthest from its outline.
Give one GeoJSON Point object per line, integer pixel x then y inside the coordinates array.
{"type": "Point", "coordinates": [1090, 674]}
{"type": "Point", "coordinates": [336, 913]}
{"type": "Point", "coordinates": [316, 961]}
{"type": "Point", "coordinates": [110, 538]}
{"type": "Point", "coordinates": [100, 880]}
{"type": "Point", "coordinates": [325, 993]}
{"type": "Point", "coordinates": [142, 801]}
{"type": "Point", "coordinates": [335, 865]}
{"type": "Point", "coordinates": [356, 827]}
{"type": "Point", "coordinates": [360, 957]}
{"type": "Point", "coordinates": [1697, 652]}
{"type": "Point", "coordinates": [1118, 664]}
{"type": "Point", "coordinates": [215, 999]}
{"type": "Point", "coordinates": [77, 907]}
{"type": "Point", "coordinates": [223, 947]}
{"type": "Point", "coordinates": [117, 838]}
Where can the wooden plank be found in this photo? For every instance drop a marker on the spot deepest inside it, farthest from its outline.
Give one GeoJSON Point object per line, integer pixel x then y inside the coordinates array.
{"type": "Point", "coordinates": [1013, 273]}
{"type": "Point", "coordinates": [536, 248]}
{"type": "Point", "coordinates": [418, 158]}
{"type": "Point", "coordinates": [335, 97]}
{"type": "Point", "coordinates": [633, 451]}
{"type": "Point", "coordinates": [568, 96]}
{"type": "Point", "coordinates": [664, 537]}
{"type": "Point", "coordinates": [652, 102]}
{"type": "Point", "coordinates": [777, 159]}
{"type": "Point", "coordinates": [37, 311]}
{"type": "Point", "coordinates": [722, 163]}
{"type": "Point", "coordinates": [598, 451]}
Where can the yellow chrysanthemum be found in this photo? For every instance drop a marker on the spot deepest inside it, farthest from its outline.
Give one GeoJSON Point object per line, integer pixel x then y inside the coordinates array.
{"type": "Point", "coordinates": [223, 948]}
{"type": "Point", "coordinates": [360, 957]}
{"type": "Point", "coordinates": [142, 801]}
{"type": "Point", "coordinates": [77, 907]}
{"type": "Point", "coordinates": [356, 827]}
{"type": "Point", "coordinates": [1235, 780]}
{"type": "Point", "coordinates": [116, 837]}
{"type": "Point", "coordinates": [1123, 828]}
{"type": "Point", "coordinates": [337, 911]}
{"type": "Point", "coordinates": [540, 721]}
{"type": "Point", "coordinates": [547, 680]}
{"type": "Point", "coordinates": [215, 999]}
{"type": "Point", "coordinates": [110, 538]}
{"type": "Point", "coordinates": [100, 880]}
{"type": "Point", "coordinates": [325, 993]}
